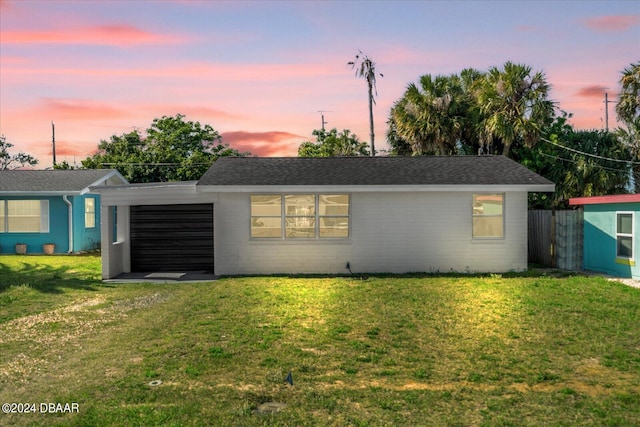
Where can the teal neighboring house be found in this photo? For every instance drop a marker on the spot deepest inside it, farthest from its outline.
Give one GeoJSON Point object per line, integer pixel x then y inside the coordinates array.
{"type": "Point", "coordinates": [39, 208]}
{"type": "Point", "coordinates": [611, 245]}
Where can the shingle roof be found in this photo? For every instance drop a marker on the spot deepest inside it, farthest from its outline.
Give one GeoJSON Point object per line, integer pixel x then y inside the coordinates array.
{"type": "Point", "coordinates": [422, 170]}
{"type": "Point", "coordinates": [50, 181]}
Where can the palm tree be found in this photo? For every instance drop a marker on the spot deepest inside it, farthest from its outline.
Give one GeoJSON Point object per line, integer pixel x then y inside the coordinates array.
{"type": "Point", "coordinates": [514, 105]}
{"type": "Point", "coordinates": [431, 115]}
{"type": "Point", "coordinates": [365, 67]}
{"type": "Point", "coordinates": [628, 111]}
{"type": "Point", "coordinates": [628, 107]}
{"type": "Point", "coordinates": [469, 139]}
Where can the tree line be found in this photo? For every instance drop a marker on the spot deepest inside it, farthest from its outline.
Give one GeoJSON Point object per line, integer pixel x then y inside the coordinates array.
{"type": "Point", "coordinates": [504, 110]}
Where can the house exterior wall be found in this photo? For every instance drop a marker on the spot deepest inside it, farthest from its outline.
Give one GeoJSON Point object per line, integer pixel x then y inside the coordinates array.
{"type": "Point", "coordinates": [395, 232]}
{"type": "Point", "coordinates": [600, 239]}
{"type": "Point", "coordinates": [58, 229]}
{"type": "Point", "coordinates": [115, 221]}
{"type": "Point", "coordinates": [84, 238]}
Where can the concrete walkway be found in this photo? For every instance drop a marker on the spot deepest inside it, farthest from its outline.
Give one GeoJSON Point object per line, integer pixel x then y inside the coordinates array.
{"type": "Point", "coordinates": [164, 277]}
{"type": "Point", "coordinates": [627, 281]}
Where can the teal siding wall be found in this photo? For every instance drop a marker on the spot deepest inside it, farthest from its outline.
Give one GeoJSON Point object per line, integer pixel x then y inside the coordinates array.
{"type": "Point", "coordinates": [600, 239]}
{"type": "Point", "coordinates": [84, 239]}
{"type": "Point", "coordinates": [58, 229]}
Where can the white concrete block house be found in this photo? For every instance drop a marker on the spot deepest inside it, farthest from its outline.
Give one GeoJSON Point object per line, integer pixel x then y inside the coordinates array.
{"type": "Point", "coordinates": [250, 215]}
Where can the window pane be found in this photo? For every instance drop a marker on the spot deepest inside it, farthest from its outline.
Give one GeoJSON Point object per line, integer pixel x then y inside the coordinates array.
{"type": "Point", "coordinates": [2, 215]}
{"type": "Point", "coordinates": [266, 205]}
{"type": "Point", "coordinates": [301, 227]}
{"type": "Point", "coordinates": [24, 216]}
{"type": "Point", "coordinates": [334, 204]}
{"type": "Point", "coordinates": [266, 227]}
{"type": "Point", "coordinates": [488, 215]}
{"type": "Point", "coordinates": [487, 204]}
{"type": "Point", "coordinates": [490, 226]}
{"type": "Point", "coordinates": [625, 247]}
{"type": "Point", "coordinates": [89, 213]}
{"type": "Point", "coordinates": [300, 204]}
{"type": "Point", "coordinates": [334, 227]}
{"type": "Point", "coordinates": [625, 223]}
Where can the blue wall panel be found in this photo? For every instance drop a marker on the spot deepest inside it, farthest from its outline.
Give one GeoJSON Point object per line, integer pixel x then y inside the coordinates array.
{"type": "Point", "coordinates": [600, 240]}
{"type": "Point", "coordinates": [84, 239]}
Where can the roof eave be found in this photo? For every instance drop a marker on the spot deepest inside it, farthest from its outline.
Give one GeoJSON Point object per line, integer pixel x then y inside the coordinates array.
{"type": "Point", "coordinates": [40, 193]}
{"type": "Point", "coordinates": [101, 182]}
{"type": "Point", "coordinates": [600, 200]}
{"type": "Point", "coordinates": [531, 188]}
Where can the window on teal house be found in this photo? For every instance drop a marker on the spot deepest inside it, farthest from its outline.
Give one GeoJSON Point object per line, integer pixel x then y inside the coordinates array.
{"type": "Point", "coordinates": [624, 235]}
{"type": "Point", "coordinates": [24, 216]}
{"type": "Point", "coordinates": [89, 212]}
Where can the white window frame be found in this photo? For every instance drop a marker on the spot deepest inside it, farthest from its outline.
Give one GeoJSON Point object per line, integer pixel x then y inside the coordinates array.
{"type": "Point", "coordinates": [254, 218]}
{"type": "Point", "coordinates": [503, 215]}
{"type": "Point", "coordinates": [43, 215]}
{"type": "Point", "coordinates": [317, 218]}
{"type": "Point", "coordinates": [631, 235]}
{"type": "Point", "coordinates": [90, 216]}
{"type": "Point", "coordinates": [3, 216]}
{"type": "Point", "coordinates": [300, 219]}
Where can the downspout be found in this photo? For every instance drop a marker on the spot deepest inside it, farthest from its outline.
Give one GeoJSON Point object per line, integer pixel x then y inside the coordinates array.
{"type": "Point", "coordinates": [64, 197]}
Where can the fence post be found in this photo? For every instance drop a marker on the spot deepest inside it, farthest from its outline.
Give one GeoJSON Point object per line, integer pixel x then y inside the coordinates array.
{"type": "Point", "coordinates": [552, 246]}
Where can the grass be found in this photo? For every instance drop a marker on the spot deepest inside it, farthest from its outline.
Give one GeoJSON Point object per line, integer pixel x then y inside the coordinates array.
{"type": "Point", "coordinates": [468, 351]}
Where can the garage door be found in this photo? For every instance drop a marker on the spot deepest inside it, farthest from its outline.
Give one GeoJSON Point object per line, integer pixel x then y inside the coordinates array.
{"type": "Point", "coordinates": [172, 238]}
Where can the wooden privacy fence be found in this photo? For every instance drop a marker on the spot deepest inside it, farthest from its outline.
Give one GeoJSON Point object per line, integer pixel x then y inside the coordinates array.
{"type": "Point", "coordinates": [555, 238]}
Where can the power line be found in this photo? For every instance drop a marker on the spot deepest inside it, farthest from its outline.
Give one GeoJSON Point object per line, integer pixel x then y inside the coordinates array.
{"type": "Point", "coordinates": [629, 162]}
{"type": "Point", "coordinates": [575, 161]}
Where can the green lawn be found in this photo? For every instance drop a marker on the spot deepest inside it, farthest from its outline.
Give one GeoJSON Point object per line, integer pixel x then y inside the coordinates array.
{"type": "Point", "coordinates": [435, 350]}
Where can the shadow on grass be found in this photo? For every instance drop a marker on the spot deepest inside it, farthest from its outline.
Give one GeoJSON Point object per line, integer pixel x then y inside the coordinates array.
{"type": "Point", "coordinates": [47, 278]}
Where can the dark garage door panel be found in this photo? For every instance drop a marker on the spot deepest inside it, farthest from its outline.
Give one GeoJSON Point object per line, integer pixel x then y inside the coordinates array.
{"type": "Point", "coordinates": [172, 237]}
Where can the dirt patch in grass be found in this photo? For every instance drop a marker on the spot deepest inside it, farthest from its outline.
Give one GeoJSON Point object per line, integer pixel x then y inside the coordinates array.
{"type": "Point", "coordinates": [51, 331]}
{"type": "Point", "coordinates": [587, 388]}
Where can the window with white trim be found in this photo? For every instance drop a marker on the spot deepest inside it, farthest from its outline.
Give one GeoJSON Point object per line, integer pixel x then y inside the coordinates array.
{"type": "Point", "coordinates": [624, 235]}
{"type": "Point", "coordinates": [266, 215]}
{"type": "Point", "coordinates": [300, 216]}
{"type": "Point", "coordinates": [488, 216]}
{"type": "Point", "coordinates": [24, 216]}
{"type": "Point", "coordinates": [333, 215]}
{"type": "Point", "coordinates": [89, 212]}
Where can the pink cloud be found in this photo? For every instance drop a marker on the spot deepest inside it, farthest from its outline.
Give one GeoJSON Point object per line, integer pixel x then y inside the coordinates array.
{"type": "Point", "coordinates": [68, 148]}
{"type": "Point", "coordinates": [7, 61]}
{"type": "Point", "coordinates": [268, 144]}
{"type": "Point", "coordinates": [192, 112]}
{"type": "Point", "coordinates": [80, 110]}
{"type": "Point", "coordinates": [107, 35]}
{"type": "Point", "coordinates": [206, 71]}
{"type": "Point", "coordinates": [612, 23]}
{"type": "Point", "coordinates": [5, 5]}
{"type": "Point", "coordinates": [525, 28]}
{"type": "Point", "coordinates": [593, 91]}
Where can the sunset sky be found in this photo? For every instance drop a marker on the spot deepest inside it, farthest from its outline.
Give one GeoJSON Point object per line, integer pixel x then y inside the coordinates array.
{"type": "Point", "coordinates": [260, 72]}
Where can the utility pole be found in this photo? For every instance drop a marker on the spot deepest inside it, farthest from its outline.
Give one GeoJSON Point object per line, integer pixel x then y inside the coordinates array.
{"type": "Point", "coordinates": [322, 116]}
{"type": "Point", "coordinates": [606, 110]}
{"type": "Point", "coordinates": [53, 142]}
